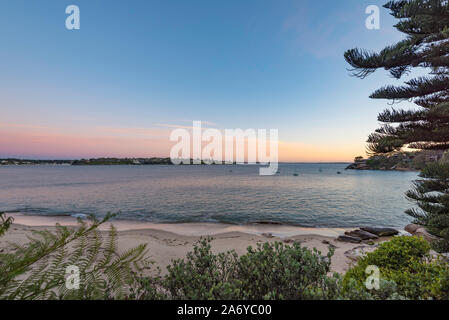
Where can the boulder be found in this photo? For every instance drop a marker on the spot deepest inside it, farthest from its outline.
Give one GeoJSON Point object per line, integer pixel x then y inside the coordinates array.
{"type": "Point", "coordinates": [411, 228]}
{"type": "Point", "coordinates": [349, 239]}
{"type": "Point", "coordinates": [433, 255]}
{"type": "Point", "coordinates": [381, 232]}
{"type": "Point", "coordinates": [364, 235]}
{"type": "Point", "coordinates": [356, 253]}
{"type": "Point", "coordinates": [438, 256]}
{"type": "Point", "coordinates": [422, 232]}
{"type": "Point", "coordinates": [444, 256]}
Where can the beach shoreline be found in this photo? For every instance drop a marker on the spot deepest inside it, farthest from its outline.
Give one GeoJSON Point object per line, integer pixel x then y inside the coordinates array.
{"type": "Point", "coordinates": [184, 228]}
{"type": "Point", "coordinates": [166, 242]}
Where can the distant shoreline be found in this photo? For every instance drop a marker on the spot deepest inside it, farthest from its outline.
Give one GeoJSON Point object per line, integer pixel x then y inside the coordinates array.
{"type": "Point", "coordinates": [375, 169]}
{"type": "Point", "coordinates": [88, 162]}
{"type": "Point", "coordinates": [122, 162]}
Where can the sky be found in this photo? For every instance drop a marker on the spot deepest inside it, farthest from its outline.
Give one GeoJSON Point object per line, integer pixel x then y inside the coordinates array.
{"type": "Point", "coordinates": [135, 70]}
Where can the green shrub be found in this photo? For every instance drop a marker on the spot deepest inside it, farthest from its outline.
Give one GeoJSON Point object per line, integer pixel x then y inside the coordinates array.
{"type": "Point", "coordinates": [203, 275]}
{"type": "Point", "coordinates": [404, 261]}
{"type": "Point", "coordinates": [396, 254]}
{"type": "Point", "coordinates": [422, 280]}
{"type": "Point", "coordinates": [271, 271]}
{"type": "Point", "coordinates": [278, 271]}
{"type": "Point", "coordinates": [388, 291]}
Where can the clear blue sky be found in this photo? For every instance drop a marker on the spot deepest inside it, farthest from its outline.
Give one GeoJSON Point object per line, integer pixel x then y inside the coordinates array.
{"type": "Point", "coordinates": [150, 64]}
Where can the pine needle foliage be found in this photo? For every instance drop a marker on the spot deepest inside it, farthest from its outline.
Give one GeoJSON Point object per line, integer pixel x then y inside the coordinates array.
{"type": "Point", "coordinates": [425, 24]}
{"type": "Point", "coordinates": [431, 194]}
{"type": "Point", "coordinates": [39, 268]}
{"type": "Point", "coordinates": [5, 223]}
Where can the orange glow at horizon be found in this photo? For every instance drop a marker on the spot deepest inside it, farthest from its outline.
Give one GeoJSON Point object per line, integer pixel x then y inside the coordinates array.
{"type": "Point", "coordinates": [43, 142]}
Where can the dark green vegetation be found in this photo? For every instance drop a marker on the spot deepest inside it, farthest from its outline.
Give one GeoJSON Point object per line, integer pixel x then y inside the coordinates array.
{"type": "Point", "coordinates": [270, 271]}
{"type": "Point", "coordinates": [14, 161]}
{"type": "Point", "coordinates": [431, 194]}
{"type": "Point", "coordinates": [425, 24]}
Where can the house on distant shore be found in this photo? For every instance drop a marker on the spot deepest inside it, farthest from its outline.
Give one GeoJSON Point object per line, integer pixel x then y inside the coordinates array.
{"type": "Point", "coordinates": [400, 161]}
{"type": "Point", "coordinates": [434, 156]}
{"type": "Point", "coordinates": [360, 163]}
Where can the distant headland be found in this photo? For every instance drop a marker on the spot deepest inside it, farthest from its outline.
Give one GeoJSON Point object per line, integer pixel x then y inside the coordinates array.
{"type": "Point", "coordinates": [399, 161]}
{"type": "Point", "coordinates": [87, 162]}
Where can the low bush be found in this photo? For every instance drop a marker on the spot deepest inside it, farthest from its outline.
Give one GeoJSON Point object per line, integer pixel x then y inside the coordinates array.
{"type": "Point", "coordinates": [403, 262]}
{"type": "Point", "coordinates": [270, 271]}
{"type": "Point", "coordinates": [277, 271]}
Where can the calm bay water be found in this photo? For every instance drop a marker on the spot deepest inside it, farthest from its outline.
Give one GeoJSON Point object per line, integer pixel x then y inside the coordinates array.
{"type": "Point", "coordinates": [317, 197]}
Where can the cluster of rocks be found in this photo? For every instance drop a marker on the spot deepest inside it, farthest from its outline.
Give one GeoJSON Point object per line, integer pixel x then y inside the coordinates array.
{"type": "Point", "coordinates": [367, 234]}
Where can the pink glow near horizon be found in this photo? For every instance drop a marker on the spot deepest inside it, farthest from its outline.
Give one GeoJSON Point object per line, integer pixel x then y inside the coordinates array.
{"type": "Point", "coordinates": [24, 141]}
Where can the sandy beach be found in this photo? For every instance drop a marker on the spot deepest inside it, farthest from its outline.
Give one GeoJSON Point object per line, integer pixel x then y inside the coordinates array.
{"type": "Point", "coordinates": [171, 241]}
